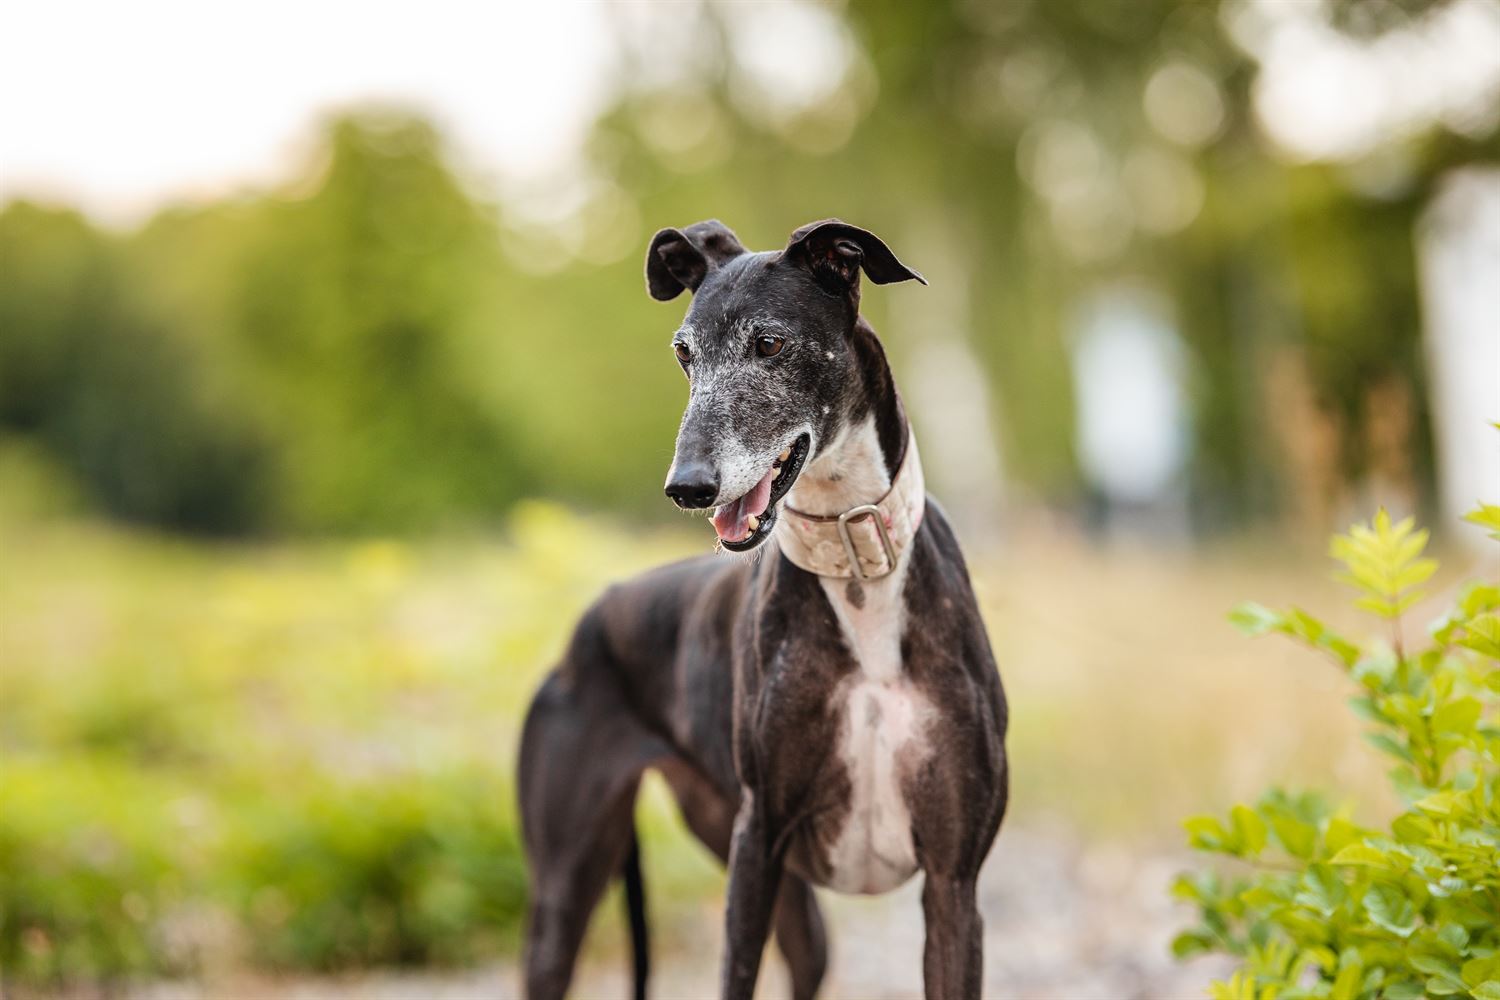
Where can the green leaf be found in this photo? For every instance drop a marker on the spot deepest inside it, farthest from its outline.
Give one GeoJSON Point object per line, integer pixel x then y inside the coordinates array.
{"type": "Point", "coordinates": [1190, 943]}
{"type": "Point", "coordinates": [1403, 991]}
{"type": "Point", "coordinates": [1439, 803]}
{"type": "Point", "coordinates": [1322, 890]}
{"type": "Point", "coordinates": [1458, 716]}
{"type": "Point", "coordinates": [1300, 839]}
{"type": "Point", "coordinates": [1441, 968]}
{"type": "Point", "coordinates": [1346, 982]}
{"type": "Point", "coordinates": [1385, 607]}
{"type": "Point", "coordinates": [1265, 896]}
{"type": "Point", "coordinates": [1389, 907]}
{"type": "Point", "coordinates": [1190, 887]}
{"type": "Point", "coordinates": [1301, 625]}
{"type": "Point", "coordinates": [1478, 598]}
{"type": "Point", "coordinates": [1449, 885]}
{"type": "Point", "coordinates": [1240, 986]}
{"type": "Point", "coordinates": [1486, 515]}
{"type": "Point", "coordinates": [1416, 573]}
{"type": "Point", "coordinates": [1478, 971]}
{"type": "Point", "coordinates": [1482, 635]}
{"type": "Point", "coordinates": [1361, 854]}
{"type": "Point", "coordinates": [1249, 831]}
{"type": "Point", "coordinates": [1340, 833]}
{"type": "Point", "coordinates": [1388, 743]}
{"type": "Point", "coordinates": [1488, 990]}
{"type": "Point", "coordinates": [1412, 828]}
{"type": "Point", "coordinates": [1455, 937]}
{"type": "Point", "coordinates": [1422, 856]}
{"type": "Point", "coordinates": [1407, 783]}
{"type": "Point", "coordinates": [1206, 833]}
{"type": "Point", "coordinates": [1384, 561]}
{"type": "Point", "coordinates": [1255, 619]}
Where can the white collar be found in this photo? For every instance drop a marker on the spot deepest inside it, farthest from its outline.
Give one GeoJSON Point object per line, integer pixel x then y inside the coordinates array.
{"type": "Point", "coordinates": [864, 542]}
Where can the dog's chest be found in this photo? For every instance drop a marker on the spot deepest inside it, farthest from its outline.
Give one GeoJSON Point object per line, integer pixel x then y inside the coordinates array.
{"type": "Point", "coordinates": [882, 739]}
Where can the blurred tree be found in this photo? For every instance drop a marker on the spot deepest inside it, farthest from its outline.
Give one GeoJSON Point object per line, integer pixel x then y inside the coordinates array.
{"type": "Point", "coordinates": [350, 307]}
{"type": "Point", "coordinates": [290, 361]}
{"type": "Point", "coordinates": [112, 394]}
{"type": "Point", "coordinates": [371, 347]}
{"type": "Point", "coordinates": [1056, 147]}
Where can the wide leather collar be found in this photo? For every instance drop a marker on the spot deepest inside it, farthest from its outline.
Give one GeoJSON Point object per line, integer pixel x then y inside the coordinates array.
{"type": "Point", "coordinates": [864, 542]}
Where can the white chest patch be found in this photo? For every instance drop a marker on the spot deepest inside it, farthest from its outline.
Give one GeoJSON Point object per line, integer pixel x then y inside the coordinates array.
{"type": "Point", "coordinates": [882, 736]}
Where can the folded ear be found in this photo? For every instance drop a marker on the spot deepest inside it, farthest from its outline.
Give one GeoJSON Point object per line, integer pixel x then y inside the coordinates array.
{"type": "Point", "coordinates": [682, 258]}
{"type": "Point", "coordinates": [835, 252]}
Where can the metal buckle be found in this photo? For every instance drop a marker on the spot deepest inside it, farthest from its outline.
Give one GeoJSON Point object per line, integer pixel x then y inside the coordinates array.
{"type": "Point", "coordinates": [885, 541]}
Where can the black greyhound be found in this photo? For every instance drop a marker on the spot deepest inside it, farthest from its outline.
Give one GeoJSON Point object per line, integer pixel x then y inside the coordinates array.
{"type": "Point", "coordinates": [827, 712]}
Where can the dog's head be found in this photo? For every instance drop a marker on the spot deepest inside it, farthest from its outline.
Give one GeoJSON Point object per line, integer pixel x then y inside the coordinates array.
{"type": "Point", "coordinates": [766, 349]}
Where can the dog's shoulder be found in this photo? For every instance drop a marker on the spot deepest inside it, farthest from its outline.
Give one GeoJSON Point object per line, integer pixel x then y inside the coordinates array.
{"type": "Point", "coordinates": [938, 533]}
{"type": "Point", "coordinates": [939, 582]}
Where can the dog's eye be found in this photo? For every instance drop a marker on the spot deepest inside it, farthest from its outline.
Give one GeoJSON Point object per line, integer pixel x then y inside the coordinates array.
{"type": "Point", "coordinates": [768, 346]}
{"type": "Point", "coordinates": [683, 354]}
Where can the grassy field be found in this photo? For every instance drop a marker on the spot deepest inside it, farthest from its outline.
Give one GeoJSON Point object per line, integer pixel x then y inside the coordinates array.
{"type": "Point", "coordinates": [298, 757]}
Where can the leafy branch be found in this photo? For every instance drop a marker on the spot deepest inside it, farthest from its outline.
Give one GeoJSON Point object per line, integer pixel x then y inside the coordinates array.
{"type": "Point", "coordinates": [1332, 909]}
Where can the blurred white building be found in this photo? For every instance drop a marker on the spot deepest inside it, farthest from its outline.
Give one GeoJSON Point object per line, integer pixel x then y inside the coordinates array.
{"type": "Point", "coordinates": [1134, 431]}
{"type": "Point", "coordinates": [1458, 248]}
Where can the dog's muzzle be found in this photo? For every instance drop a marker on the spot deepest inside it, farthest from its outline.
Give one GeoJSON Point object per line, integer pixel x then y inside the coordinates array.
{"type": "Point", "coordinates": [747, 521]}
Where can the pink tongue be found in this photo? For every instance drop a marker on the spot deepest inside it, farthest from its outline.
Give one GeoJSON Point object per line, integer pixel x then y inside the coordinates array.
{"type": "Point", "coordinates": [732, 521]}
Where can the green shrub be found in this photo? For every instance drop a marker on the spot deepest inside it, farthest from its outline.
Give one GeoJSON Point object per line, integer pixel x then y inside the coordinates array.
{"type": "Point", "coordinates": [92, 856]}
{"type": "Point", "coordinates": [1333, 909]}
{"type": "Point", "coordinates": [106, 868]}
{"type": "Point", "coordinates": [295, 757]}
{"type": "Point", "coordinates": [410, 869]}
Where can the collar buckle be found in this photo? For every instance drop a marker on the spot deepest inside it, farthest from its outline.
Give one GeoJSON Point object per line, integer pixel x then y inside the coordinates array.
{"type": "Point", "coordinates": [854, 513]}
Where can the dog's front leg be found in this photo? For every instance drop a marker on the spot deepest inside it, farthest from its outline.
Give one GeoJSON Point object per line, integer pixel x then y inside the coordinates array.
{"type": "Point", "coordinates": [953, 959]}
{"type": "Point", "coordinates": [754, 874]}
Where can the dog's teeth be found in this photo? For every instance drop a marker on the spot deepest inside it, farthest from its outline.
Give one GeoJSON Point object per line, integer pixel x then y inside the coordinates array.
{"type": "Point", "coordinates": [785, 455]}
{"type": "Point", "coordinates": [753, 521]}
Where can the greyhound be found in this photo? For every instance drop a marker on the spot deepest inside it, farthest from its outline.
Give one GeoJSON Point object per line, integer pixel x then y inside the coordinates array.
{"type": "Point", "coordinates": [827, 712]}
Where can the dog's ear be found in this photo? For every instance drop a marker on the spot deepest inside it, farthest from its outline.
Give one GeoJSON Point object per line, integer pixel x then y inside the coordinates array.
{"type": "Point", "coordinates": [682, 258]}
{"type": "Point", "coordinates": [835, 252]}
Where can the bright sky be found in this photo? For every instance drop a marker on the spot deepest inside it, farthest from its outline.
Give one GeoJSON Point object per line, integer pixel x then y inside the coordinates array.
{"type": "Point", "coordinates": [118, 106]}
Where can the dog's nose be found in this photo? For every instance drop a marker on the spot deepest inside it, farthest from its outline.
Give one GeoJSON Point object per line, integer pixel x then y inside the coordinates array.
{"type": "Point", "coordinates": [693, 487]}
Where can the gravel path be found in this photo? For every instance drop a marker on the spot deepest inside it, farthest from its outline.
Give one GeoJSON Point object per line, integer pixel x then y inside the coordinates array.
{"type": "Point", "coordinates": [1061, 920]}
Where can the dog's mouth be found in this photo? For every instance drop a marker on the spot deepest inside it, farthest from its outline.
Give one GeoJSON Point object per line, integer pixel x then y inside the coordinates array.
{"type": "Point", "coordinates": [744, 523]}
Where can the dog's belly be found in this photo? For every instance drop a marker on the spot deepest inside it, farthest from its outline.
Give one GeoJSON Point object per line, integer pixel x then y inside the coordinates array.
{"type": "Point", "coordinates": [869, 848]}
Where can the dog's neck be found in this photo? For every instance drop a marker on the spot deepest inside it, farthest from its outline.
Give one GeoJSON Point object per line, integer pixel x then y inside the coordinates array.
{"type": "Point", "coordinates": [857, 467]}
{"type": "Point", "coordinates": [859, 464]}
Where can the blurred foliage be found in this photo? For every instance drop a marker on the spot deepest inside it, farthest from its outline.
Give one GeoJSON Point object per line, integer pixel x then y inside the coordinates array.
{"type": "Point", "coordinates": [90, 862]}
{"type": "Point", "coordinates": [206, 745]}
{"type": "Point", "coordinates": [414, 872]}
{"type": "Point", "coordinates": [371, 346]}
{"type": "Point", "coordinates": [114, 395]}
{"type": "Point", "coordinates": [294, 758]}
{"type": "Point", "coordinates": [1335, 909]}
{"type": "Point", "coordinates": [278, 362]}
{"type": "Point", "coordinates": [114, 870]}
